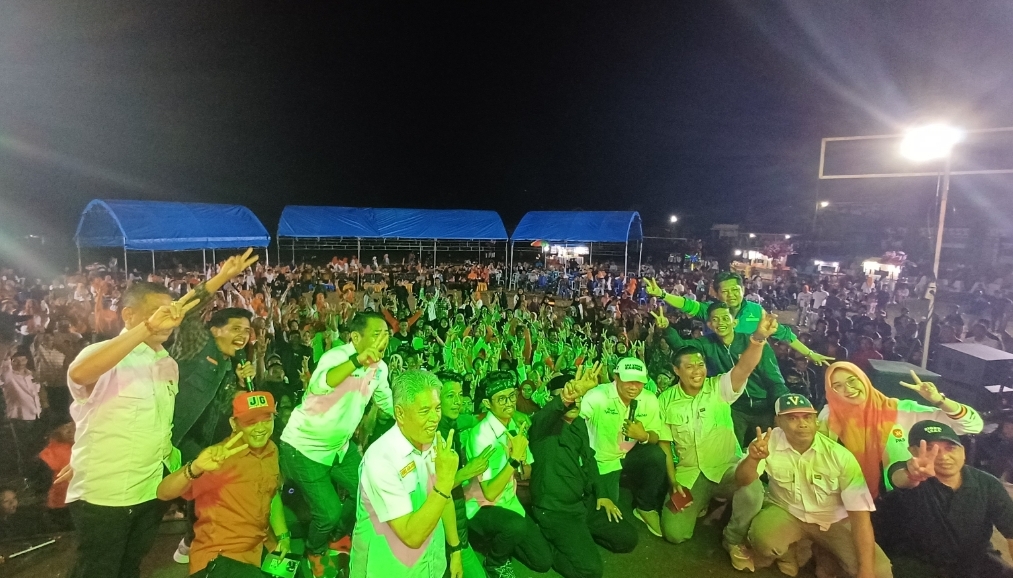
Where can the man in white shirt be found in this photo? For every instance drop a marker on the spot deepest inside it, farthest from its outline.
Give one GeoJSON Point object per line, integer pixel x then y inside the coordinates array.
{"type": "Point", "coordinates": [496, 519]}
{"type": "Point", "coordinates": [816, 491]}
{"type": "Point", "coordinates": [124, 391]}
{"type": "Point", "coordinates": [317, 451]}
{"type": "Point", "coordinates": [624, 424]}
{"type": "Point", "coordinates": [406, 517]}
{"type": "Point", "coordinates": [820, 297]}
{"type": "Point", "coordinates": [697, 413]}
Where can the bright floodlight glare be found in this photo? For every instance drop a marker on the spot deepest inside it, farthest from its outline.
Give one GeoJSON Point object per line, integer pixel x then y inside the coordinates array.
{"type": "Point", "coordinates": [673, 219]}
{"type": "Point", "coordinates": [824, 204]}
{"type": "Point", "coordinates": [752, 235]}
{"type": "Point", "coordinates": [787, 236]}
{"type": "Point", "coordinates": [738, 252]}
{"type": "Point", "coordinates": [932, 141]}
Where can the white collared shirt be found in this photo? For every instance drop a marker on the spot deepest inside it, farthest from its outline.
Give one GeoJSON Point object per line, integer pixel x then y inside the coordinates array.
{"type": "Point", "coordinates": [322, 425]}
{"type": "Point", "coordinates": [491, 432]}
{"type": "Point", "coordinates": [21, 394]}
{"type": "Point", "coordinates": [124, 428]}
{"type": "Point", "coordinates": [818, 487]}
{"type": "Point", "coordinates": [395, 479]}
{"type": "Point", "coordinates": [701, 428]}
{"type": "Point", "coordinates": [605, 414]}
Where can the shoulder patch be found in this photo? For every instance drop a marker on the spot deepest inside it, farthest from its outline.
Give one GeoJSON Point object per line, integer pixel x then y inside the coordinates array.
{"type": "Point", "coordinates": [897, 433]}
{"type": "Point", "coordinates": [407, 469]}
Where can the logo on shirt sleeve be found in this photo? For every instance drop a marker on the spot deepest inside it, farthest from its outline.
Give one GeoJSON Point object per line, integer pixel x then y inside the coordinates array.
{"type": "Point", "coordinates": [897, 433]}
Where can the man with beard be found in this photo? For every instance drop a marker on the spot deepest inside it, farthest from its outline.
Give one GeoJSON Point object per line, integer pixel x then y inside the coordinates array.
{"type": "Point", "coordinates": [722, 349]}
{"type": "Point", "coordinates": [207, 379]}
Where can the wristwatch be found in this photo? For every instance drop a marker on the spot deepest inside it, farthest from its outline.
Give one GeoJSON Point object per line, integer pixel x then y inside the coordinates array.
{"type": "Point", "coordinates": [355, 362]}
{"type": "Point", "coordinates": [515, 464]}
{"type": "Point", "coordinates": [451, 549]}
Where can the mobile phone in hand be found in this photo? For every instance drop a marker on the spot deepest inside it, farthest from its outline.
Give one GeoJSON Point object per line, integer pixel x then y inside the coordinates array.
{"type": "Point", "coordinates": [678, 502]}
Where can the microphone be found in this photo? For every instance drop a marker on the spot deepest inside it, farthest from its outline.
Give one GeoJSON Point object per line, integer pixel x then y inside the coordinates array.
{"type": "Point", "coordinates": [241, 359]}
{"type": "Point", "coordinates": [632, 416]}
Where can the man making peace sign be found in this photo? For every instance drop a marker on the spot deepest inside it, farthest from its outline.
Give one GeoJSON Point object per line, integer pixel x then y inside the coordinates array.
{"type": "Point", "coordinates": [234, 486]}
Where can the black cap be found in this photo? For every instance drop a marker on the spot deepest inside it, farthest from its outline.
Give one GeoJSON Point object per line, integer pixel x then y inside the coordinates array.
{"type": "Point", "coordinates": [932, 431]}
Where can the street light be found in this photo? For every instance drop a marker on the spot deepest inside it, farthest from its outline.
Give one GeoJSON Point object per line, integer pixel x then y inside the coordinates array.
{"type": "Point", "coordinates": [824, 204]}
{"type": "Point", "coordinates": [786, 237]}
{"type": "Point", "coordinates": [927, 143]}
{"type": "Point", "coordinates": [673, 219]}
{"type": "Point", "coordinates": [816, 210]}
{"type": "Point", "coordinates": [752, 235]}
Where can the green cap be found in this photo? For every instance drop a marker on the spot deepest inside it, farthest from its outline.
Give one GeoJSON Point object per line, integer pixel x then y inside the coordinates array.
{"type": "Point", "coordinates": [932, 431]}
{"type": "Point", "coordinates": [793, 403]}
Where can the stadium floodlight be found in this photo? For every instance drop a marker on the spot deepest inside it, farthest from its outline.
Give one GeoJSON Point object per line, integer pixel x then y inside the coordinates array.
{"type": "Point", "coordinates": [930, 142]}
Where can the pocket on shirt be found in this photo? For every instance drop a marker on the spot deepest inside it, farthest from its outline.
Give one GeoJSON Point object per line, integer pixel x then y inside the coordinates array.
{"type": "Point", "coordinates": [784, 479]}
{"type": "Point", "coordinates": [825, 488]}
{"type": "Point", "coordinates": [138, 389]}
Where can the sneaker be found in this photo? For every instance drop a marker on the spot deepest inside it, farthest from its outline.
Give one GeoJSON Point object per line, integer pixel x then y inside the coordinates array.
{"type": "Point", "coordinates": [742, 558]}
{"type": "Point", "coordinates": [182, 553]}
{"type": "Point", "coordinates": [651, 519]}
{"type": "Point", "coordinates": [504, 570]}
{"type": "Point", "coordinates": [321, 566]}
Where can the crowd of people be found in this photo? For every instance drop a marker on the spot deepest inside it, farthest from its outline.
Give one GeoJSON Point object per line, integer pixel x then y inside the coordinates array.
{"type": "Point", "coordinates": [405, 420]}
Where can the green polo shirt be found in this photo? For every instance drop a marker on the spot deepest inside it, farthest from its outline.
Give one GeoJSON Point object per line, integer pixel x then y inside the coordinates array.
{"type": "Point", "coordinates": [748, 317]}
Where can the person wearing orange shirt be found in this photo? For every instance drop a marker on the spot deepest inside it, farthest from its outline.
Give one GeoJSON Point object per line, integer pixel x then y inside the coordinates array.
{"type": "Point", "coordinates": [234, 486]}
{"type": "Point", "coordinates": [56, 455]}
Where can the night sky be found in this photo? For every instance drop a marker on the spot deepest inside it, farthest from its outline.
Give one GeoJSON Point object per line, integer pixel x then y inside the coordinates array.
{"type": "Point", "coordinates": [712, 110]}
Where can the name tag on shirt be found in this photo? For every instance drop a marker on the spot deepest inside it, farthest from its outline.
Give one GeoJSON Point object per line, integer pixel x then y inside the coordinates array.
{"type": "Point", "coordinates": [407, 469]}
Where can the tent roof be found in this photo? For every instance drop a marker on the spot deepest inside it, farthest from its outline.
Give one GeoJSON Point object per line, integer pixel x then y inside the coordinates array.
{"type": "Point", "coordinates": [580, 226]}
{"type": "Point", "coordinates": [331, 222]}
{"type": "Point", "coordinates": [168, 226]}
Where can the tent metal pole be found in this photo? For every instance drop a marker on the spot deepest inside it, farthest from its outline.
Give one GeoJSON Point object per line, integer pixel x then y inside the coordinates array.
{"type": "Point", "coordinates": [204, 255]}
{"type": "Point", "coordinates": [214, 260]}
{"type": "Point", "coordinates": [293, 254]}
{"type": "Point", "coordinates": [358, 243]}
{"type": "Point", "coordinates": [267, 257]}
{"type": "Point", "coordinates": [152, 262]}
{"type": "Point", "coordinates": [626, 259]}
{"type": "Point", "coordinates": [126, 270]}
{"type": "Point", "coordinates": [590, 253]}
{"type": "Point", "coordinates": [640, 259]}
{"type": "Point", "coordinates": [278, 251]}
{"type": "Point", "coordinates": [79, 267]}
{"type": "Point", "coordinates": [434, 255]}
{"type": "Point", "coordinates": [511, 273]}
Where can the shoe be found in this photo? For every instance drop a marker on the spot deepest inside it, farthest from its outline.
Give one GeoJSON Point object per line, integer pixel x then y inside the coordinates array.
{"type": "Point", "coordinates": [321, 566]}
{"type": "Point", "coordinates": [342, 545]}
{"type": "Point", "coordinates": [182, 553]}
{"type": "Point", "coordinates": [504, 570]}
{"type": "Point", "coordinates": [742, 558]}
{"type": "Point", "coordinates": [650, 519]}
{"type": "Point", "coordinates": [788, 567]}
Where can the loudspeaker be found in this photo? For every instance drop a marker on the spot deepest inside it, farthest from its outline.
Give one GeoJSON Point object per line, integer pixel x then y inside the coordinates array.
{"type": "Point", "coordinates": [973, 365]}
{"type": "Point", "coordinates": [887, 375]}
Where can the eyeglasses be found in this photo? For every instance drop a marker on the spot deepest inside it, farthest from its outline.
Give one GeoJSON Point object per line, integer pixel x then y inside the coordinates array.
{"type": "Point", "coordinates": [852, 382]}
{"type": "Point", "coordinates": [505, 399]}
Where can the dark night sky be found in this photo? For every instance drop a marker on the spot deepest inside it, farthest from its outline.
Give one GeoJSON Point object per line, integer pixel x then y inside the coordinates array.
{"type": "Point", "coordinates": [709, 109]}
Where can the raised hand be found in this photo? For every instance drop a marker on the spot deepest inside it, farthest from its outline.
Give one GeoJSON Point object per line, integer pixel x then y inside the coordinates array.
{"type": "Point", "coordinates": [922, 464]}
{"type": "Point", "coordinates": [926, 389]}
{"type": "Point", "coordinates": [758, 448]}
{"type": "Point", "coordinates": [169, 316]}
{"type": "Point", "coordinates": [517, 446]}
{"type": "Point", "coordinates": [768, 325]}
{"type": "Point", "coordinates": [446, 459]}
{"type": "Point", "coordinates": [213, 457]}
{"type": "Point", "coordinates": [659, 318]}
{"type": "Point", "coordinates": [819, 359]}
{"type": "Point", "coordinates": [236, 264]}
{"type": "Point", "coordinates": [244, 371]}
{"type": "Point", "coordinates": [477, 465]}
{"type": "Point", "coordinates": [652, 288]}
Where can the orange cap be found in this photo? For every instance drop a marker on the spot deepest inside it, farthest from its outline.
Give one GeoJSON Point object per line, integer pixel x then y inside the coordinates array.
{"type": "Point", "coordinates": [250, 407]}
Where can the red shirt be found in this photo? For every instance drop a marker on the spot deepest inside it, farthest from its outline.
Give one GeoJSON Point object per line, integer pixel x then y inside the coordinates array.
{"type": "Point", "coordinates": [57, 456]}
{"type": "Point", "coordinates": [233, 506]}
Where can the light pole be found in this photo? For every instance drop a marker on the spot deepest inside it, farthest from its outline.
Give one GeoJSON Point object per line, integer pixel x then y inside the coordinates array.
{"type": "Point", "coordinates": [926, 143]}
{"type": "Point", "coordinates": [816, 210]}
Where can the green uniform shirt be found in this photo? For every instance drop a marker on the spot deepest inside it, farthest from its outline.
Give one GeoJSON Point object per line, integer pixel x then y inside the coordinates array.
{"type": "Point", "coordinates": [748, 317]}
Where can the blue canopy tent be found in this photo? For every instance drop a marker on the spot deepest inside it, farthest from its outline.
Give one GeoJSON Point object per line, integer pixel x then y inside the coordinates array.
{"type": "Point", "coordinates": [581, 227]}
{"type": "Point", "coordinates": [399, 229]}
{"type": "Point", "coordinates": [167, 226]}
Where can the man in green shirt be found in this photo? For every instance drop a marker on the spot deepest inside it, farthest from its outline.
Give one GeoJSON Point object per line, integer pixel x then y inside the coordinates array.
{"type": "Point", "coordinates": [722, 349]}
{"type": "Point", "coordinates": [747, 314]}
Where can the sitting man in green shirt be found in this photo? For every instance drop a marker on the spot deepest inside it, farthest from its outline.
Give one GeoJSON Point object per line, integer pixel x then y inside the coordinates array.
{"type": "Point", "coordinates": [728, 286]}
{"type": "Point", "coordinates": [722, 349]}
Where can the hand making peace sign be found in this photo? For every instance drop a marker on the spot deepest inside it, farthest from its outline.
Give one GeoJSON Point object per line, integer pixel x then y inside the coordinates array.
{"type": "Point", "coordinates": [652, 288]}
{"type": "Point", "coordinates": [213, 457]}
{"type": "Point", "coordinates": [170, 316]}
{"type": "Point", "coordinates": [926, 389]}
{"type": "Point", "coordinates": [922, 464]}
{"type": "Point", "coordinates": [236, 264]}
{"type": "Point", "coordinates": [758, 448]}
{"type": "Point", "coordinates": [659, 318]}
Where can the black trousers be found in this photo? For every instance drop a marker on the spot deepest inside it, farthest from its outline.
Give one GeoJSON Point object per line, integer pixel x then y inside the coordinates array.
{"type": "Point", "coordinates": [746, 423]}
{"type": "Point", "coordinates": [500, 534]}
{"type": "Point", "coordinates": [573, 538]}
{"type": "Point", "coordinates": [111, 540]}
{"type": "Point", "coordinates": [644, 474]}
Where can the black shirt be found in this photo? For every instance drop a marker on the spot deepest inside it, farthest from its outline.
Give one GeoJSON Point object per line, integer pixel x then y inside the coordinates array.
{"type": "Point", "coordinates": [564, 476]}
{"type": "Point", "coordinates": [953, 529]}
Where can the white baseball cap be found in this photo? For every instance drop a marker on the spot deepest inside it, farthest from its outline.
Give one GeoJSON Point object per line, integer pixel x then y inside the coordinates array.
{"type": "Point", "coordinates": [632, 369]}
